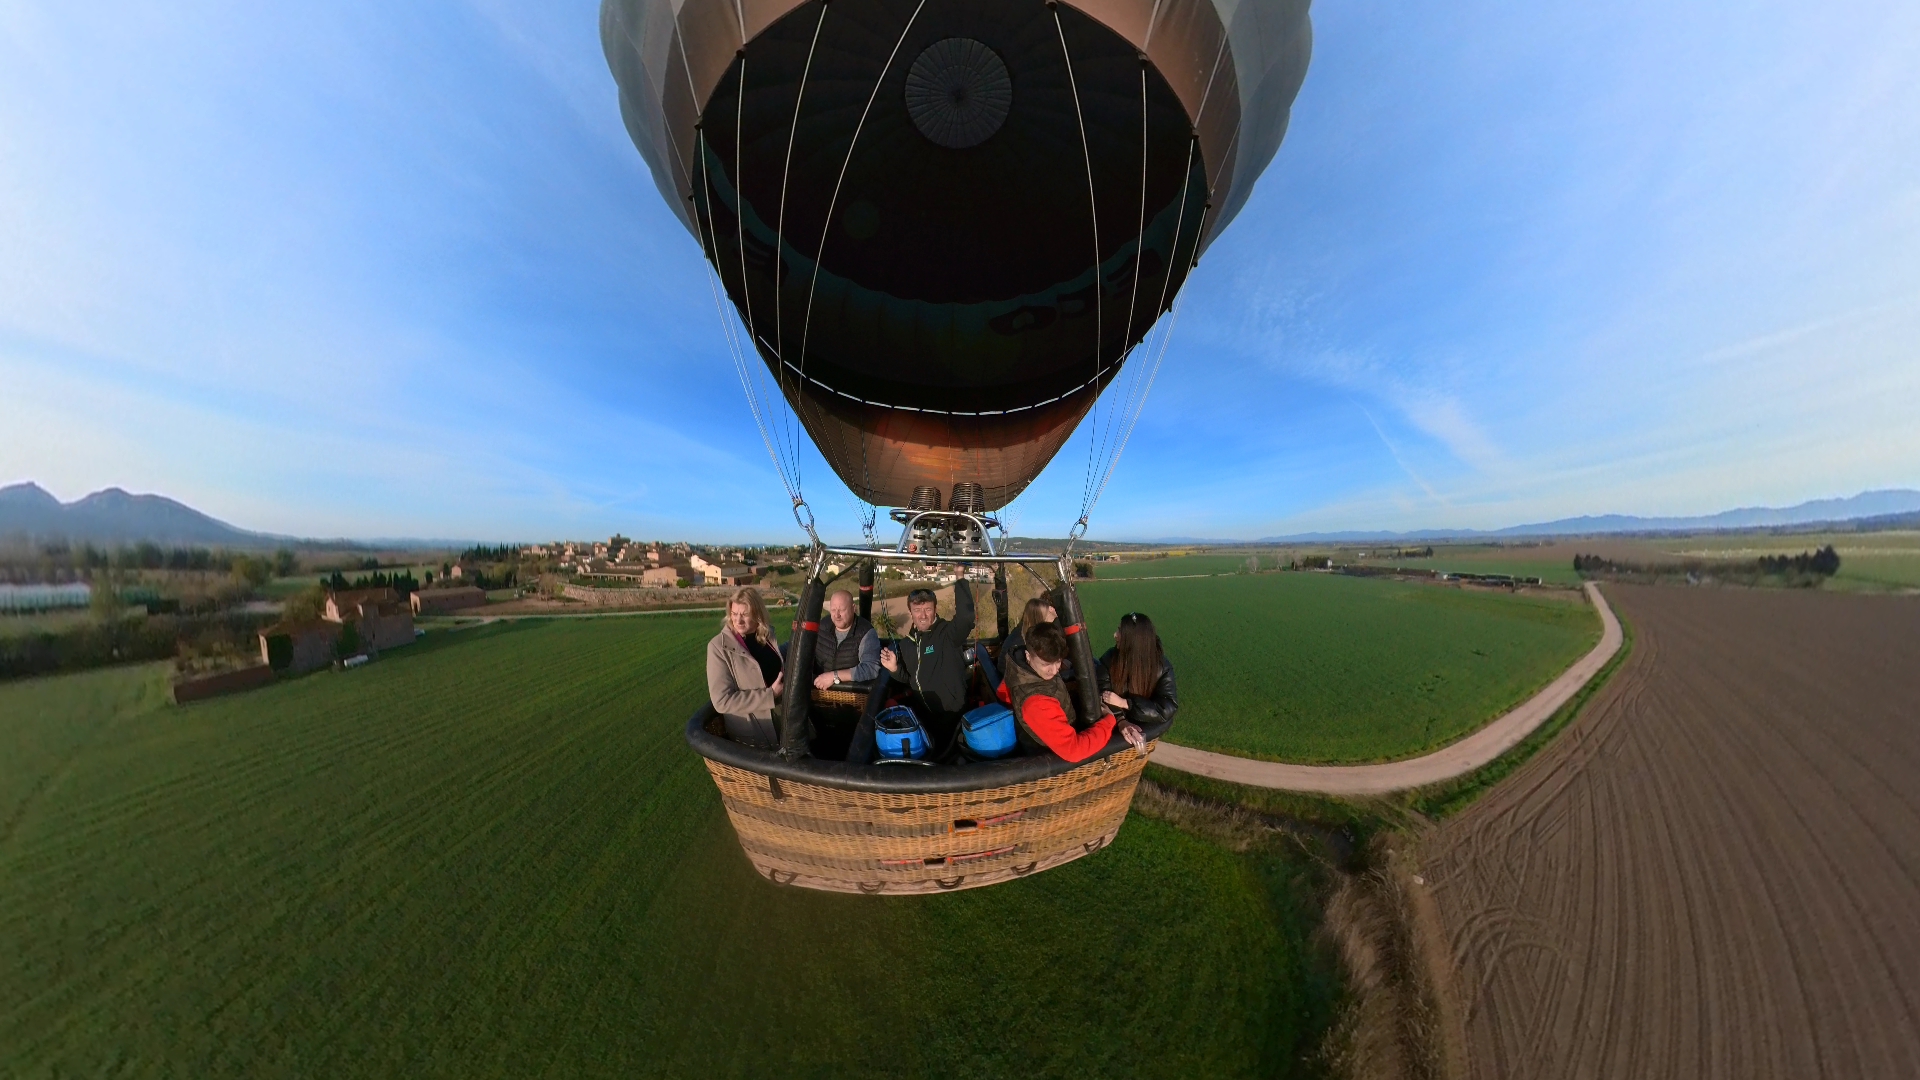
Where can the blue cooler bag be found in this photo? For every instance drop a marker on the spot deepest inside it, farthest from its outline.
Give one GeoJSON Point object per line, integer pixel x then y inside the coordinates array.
{"type": "Point", "coordinates": [897, 735]}
{"type": "Point", "coordinates": [989, 730]}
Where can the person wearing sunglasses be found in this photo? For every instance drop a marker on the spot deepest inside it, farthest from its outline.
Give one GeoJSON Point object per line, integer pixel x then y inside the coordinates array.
{"type": "Point", "coordinates": [1136, 678]}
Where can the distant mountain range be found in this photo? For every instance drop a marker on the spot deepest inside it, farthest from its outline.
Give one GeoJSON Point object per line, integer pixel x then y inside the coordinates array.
{"type": "Point", "coordinates": [1868, 504]}
{"type": "Point", "coordinates": [115, 517]}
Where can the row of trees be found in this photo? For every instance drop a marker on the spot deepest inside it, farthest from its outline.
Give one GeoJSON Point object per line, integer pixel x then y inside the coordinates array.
{"type": "Point", "coordinates": [149, 556]}
{"type": "Point", "coordinates": [1822, 563]}
{"type": "Point", "coordinates": [400, 581]}
{"type": "Point", "coordinates": [1825, 562]}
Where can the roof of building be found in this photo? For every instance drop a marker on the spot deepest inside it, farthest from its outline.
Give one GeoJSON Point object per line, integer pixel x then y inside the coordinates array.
{"type": "Point", "coordinates": [301, 628]}
{"type": "Point", "coordinates": [356, 597]}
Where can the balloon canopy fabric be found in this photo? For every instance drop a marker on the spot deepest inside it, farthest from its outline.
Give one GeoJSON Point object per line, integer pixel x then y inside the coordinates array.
{"type": "Point", "coordinates": [946, 223]}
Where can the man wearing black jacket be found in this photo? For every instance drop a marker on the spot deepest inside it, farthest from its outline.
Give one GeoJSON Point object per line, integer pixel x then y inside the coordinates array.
{"type": "Point", "coordinates": [933, 660]}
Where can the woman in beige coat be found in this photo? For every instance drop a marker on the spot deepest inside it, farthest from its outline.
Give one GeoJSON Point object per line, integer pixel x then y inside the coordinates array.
{"type": "Point", "coordinates": [744, 671]}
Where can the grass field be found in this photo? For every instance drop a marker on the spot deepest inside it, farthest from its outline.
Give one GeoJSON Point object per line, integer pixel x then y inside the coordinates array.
{"type": "Point", "coordinates": [1323, 668]}
{"type": "Point", "coordinates": [1521, 562]}
{"type": "Point", "coordinates": [45, 622]}
{"type": "Point", "coordinates": [1180, 566]}
{"type": "Point", "coordinates": [1869, 562]}
{"type": "Point", "coordinates": [491, 854]}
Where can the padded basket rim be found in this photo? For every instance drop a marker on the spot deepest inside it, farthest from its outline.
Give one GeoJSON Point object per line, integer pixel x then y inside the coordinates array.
{"type": "Point", "coordinates": [941, 779]}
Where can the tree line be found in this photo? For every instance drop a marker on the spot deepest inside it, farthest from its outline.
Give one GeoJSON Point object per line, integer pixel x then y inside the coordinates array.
{"type": "Point", "coordinates": [1822, 563]}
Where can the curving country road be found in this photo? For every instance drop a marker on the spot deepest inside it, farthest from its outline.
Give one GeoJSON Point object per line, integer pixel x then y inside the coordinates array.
{"type": "Point", "coordinates": [1451, 761]}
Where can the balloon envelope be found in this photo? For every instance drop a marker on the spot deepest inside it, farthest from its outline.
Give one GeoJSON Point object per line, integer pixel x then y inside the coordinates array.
{"type": "Point", "coordinates": [946, 223]}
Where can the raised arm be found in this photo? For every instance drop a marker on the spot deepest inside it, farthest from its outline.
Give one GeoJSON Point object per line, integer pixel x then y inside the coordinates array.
{"type": "Point", "coordinates": [963, 608]}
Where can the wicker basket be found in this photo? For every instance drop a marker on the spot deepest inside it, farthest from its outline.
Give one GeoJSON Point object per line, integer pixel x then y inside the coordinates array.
{"type": "Point", "coordinates": [834, 697]}
{"type": "Point", "coordinates": [823, 835]}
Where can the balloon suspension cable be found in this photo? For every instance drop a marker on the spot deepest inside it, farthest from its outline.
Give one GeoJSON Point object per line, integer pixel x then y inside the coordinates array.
{"type": "Point", "coordinates": [780, 227]}
{"type": "Point", "coordinates": [1132, 401]}
{"type": "Point", "coordinates": [743, 369]}
{"type": "Point", "coordinates": [833, 201]}
{"type": "Point", "coordinates": [1152, 373]}
{"type": "Point", "coordinates": [1140, 385]}
{"type": "Point", "coordinates": [1093, 212]}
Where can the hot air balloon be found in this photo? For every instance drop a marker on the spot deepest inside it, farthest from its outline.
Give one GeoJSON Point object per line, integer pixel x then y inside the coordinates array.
{"type": "Point", "coordinates": [945, 227]}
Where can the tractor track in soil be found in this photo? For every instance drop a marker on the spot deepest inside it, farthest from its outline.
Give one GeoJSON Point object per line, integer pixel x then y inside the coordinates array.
{"type": "Point", "coordinates": [1715, 871]}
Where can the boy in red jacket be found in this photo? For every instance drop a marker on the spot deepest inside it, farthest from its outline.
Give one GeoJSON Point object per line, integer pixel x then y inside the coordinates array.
{"type": "Point", "coordinates": [1043, 708]}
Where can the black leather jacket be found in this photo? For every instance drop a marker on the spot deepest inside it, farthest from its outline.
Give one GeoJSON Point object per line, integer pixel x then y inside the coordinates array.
{"type": "Point", "coordinates": [1161, 705]}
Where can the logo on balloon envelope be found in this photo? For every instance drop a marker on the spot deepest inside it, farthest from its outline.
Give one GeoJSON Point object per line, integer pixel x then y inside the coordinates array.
{"type": "Point", "coordinates": [958, 93]}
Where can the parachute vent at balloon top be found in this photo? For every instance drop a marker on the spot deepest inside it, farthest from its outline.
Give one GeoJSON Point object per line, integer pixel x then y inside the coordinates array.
{"type": "Point", "coordinates": [958, 93]}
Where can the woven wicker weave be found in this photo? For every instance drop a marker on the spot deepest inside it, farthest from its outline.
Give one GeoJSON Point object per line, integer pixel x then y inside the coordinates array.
{"type": "Point", "coordinates": [835, 697]}
{"type": "Point", "coordinates": [856, 841]}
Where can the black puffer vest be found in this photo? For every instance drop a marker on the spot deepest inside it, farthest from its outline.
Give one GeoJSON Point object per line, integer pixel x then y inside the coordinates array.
{"type": "Point", "coordinates": [832, 655]}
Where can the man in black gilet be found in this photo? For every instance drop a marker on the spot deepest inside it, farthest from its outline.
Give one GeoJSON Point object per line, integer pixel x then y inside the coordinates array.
{"type": "Point", "coordinates": [849, 650]}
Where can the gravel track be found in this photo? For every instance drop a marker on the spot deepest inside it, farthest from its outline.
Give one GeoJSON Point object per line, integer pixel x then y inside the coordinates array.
{"type": "Point", "coordinates": [1715, 872]}
{"type": "Point", "coordinates": [1447, 763]}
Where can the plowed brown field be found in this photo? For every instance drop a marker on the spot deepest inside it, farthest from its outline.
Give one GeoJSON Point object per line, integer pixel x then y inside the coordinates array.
{"type": "Point", "coordinates": [1716, 872]}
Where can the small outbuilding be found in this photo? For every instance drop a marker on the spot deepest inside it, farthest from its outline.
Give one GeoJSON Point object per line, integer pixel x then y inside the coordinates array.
{"type": "Point", "coordinates": [294, 648]}
{"type": "Point", "coordinates": [380, 620]}
{"type": "Point", "coordinates": [344, 605]}
{"type": "Point", "coordinates": [441, 601]}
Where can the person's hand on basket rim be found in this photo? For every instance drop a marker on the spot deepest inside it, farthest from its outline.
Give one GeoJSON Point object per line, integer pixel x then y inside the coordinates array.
{"type": "Point", "coordinates": [825, 679]}
{"type": "Point", "coordinates": [1132, 733]}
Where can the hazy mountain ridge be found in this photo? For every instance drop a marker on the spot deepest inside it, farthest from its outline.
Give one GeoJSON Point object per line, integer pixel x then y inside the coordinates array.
{"type": "Point", "coordinates": [1889, 503]}
{"type": "Point", "coordinates": [114, 516]}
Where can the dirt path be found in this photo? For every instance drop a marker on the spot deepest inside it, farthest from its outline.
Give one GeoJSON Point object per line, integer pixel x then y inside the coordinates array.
{"type": "Point", "coordinates": [1716, 871]}
{"type": "Point", "coordinates": [1446, 763]}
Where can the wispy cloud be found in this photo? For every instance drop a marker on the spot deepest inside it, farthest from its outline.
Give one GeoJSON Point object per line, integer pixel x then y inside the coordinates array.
{"type": "Point", "coordinates": [399, 271]}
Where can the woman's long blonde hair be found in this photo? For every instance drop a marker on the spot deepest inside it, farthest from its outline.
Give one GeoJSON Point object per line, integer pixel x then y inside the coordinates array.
{"type": "Point", "coordinates": [756, 610]}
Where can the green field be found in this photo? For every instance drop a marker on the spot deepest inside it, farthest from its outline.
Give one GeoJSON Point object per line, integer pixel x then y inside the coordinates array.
{"type": "Point", "coordinates": [1495, 561]}
{"type": "Point", "coordinates": [1323, 668]}
{"type": "Point", "coordinates": [492, 854]}
{"type": "Point", "coordinates": [1869, 562]}
{"type": "Point", "coordinates": [45, 622]}
{"type": "Point", "coordinates": [1180, 566]}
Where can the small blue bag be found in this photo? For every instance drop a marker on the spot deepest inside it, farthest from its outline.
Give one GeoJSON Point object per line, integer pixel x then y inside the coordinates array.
{"type": "Point", "coordinates": [989, 730]}
{"type": "Point", "coordinates": [898, 736]}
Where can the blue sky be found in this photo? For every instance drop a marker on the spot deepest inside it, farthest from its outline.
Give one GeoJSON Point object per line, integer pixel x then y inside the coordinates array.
{"type": "Point", "coordinates": [395, 270]}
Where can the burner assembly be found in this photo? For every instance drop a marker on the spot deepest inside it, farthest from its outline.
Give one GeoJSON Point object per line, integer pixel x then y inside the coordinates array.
{"type": "Point", "coordinates": [960, 529]}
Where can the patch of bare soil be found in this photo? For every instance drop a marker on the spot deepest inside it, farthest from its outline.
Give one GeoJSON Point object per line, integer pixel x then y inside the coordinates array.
{"type": "Point", "coordinates": [1716, 871]}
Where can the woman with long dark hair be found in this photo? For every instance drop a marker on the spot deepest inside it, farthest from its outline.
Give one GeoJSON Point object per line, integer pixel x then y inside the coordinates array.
{"type": "Point", "coordinates": [1136, 678]}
